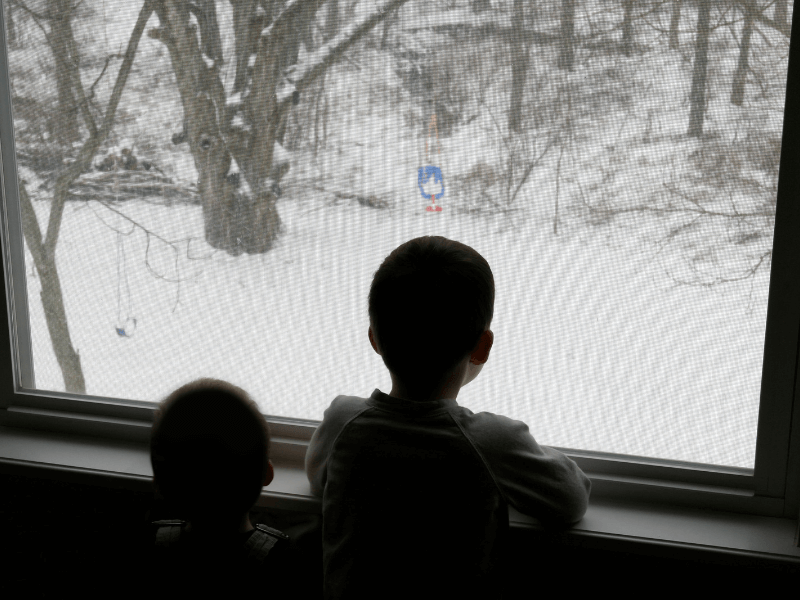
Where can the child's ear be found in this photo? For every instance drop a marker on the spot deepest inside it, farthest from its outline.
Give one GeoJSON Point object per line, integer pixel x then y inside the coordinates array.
{"type": "Point", "coordinates": [481, 352]}
{"type": "Point", "coordinates": [269, 475]}
{"type": "Point", "coordinates": [372, 341]}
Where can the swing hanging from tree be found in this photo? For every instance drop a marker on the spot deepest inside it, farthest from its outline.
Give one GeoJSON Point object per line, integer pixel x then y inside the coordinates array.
{"type": "Point", "coordinates": [125, 325]}
{"type": "Point", "coordinates": [430, 174]}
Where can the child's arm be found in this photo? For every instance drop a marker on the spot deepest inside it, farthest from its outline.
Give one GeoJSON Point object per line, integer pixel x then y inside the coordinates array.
{"type": "Point", "coordinates": [536, 480]}
{"type": "Point", "coordinates": [341, 411]}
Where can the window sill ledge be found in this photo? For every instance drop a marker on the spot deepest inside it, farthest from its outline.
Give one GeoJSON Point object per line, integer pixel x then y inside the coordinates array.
{"type": "Point", "coordinates": [609, 524]}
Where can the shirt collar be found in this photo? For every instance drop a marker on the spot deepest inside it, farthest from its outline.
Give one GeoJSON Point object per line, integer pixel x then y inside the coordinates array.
{"type": "Point", "coordinates": [380, 398]}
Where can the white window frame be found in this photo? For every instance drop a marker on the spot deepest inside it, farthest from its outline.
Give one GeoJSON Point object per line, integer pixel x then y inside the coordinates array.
{"type": "Point", "coordinates": [771, 489]}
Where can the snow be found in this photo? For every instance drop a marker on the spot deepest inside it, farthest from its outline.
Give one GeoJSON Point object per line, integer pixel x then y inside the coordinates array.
{"type": "Point", "coordinates": [244, 188]}
{"type": "Point", "coordinates": [280, 155]}
{"type": "Point", "coordinates": [285, 89]}
{"type": "Point", "coordinates": [595, 346]}
{"type": "Point", "coordinates": [581, 329]}
{"type": "Point", "coordinates": [238, 121]}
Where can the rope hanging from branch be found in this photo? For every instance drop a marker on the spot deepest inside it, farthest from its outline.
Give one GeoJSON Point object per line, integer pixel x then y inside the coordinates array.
{"type": "Point", "coordinates": [430, 176]}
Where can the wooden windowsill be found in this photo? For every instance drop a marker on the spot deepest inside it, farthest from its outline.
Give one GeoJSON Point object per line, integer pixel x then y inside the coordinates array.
{"type": "Point", "coordinates": [676, 532]}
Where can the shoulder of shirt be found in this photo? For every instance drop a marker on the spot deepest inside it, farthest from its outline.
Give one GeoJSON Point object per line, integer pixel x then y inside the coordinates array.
{"type": "Point", "coordinates": [354, 401]}
{"type": "Point", "coordinates": [344, 407]}
{"type": "Point", "coordinates": [485, 425]}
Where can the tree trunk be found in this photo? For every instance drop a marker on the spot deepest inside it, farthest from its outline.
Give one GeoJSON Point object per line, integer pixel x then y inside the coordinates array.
{"type": "Point", "coordinates": [11, 30]}
{"type": "Point", "coordinates": [66, 127]}
{"type": "Point", "coordinates": [239, 211]}
{"type": "Point", "coordinates": [566, 57]}
{"type": "Point", "coordinates": [308, 35]}
{"type": "Point", "coordinates": [627, 28]}
{"type": "Point", "coordinates": [674, 25]}
{"type": "Point", "coordinates": [243, 13]}
{"type": "Point", "coordinates": [781, 12]}
{"type": "Point", "coordinates": [53, 303]}
{"type": "Point", "coordinates": [44, 250]}
{"type": "Point", "coordinates": [519, 67]}
{"type": "Point", "coordinates": [206, 13]}
{"type": "Point", "coordinates": [331, 20]}
{"type": "Point", "coordinates": [697, 97]}
{"type": "Point", "coordinates": [387, 25]}
{"type": "Point", "coordinates": [225, 213]}
{"type": "Point", "coordinates": [301, 25]}
{"type": "Point", "coordinates": [52, 300]}
{"type": "Point", "coordinates": [740, 77]}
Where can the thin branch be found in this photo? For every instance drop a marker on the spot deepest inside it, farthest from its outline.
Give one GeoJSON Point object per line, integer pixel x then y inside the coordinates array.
{"type": "Point", "coordinates": [134, 225]}
{"type": "Point", "coordinates": [531, 166]}
{"type": "Point", "coordinates": [102, 72]}
{"type": "Point", "coordinates": [23, 6]}
{"type": "Point", "coordinates": [83, 103]}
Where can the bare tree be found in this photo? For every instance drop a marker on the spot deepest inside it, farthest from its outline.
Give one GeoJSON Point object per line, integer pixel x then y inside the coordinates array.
{"type": "Point", "coordinates": [779, 24]}
{"type": "Point", "coordinates": [62, 43]}
{"type": "Point", "coordinates": [674, 25]}
{"type": "Point", "coordinates": [43, 249]}
{"type": "Point", "coordinates": [58, 16]}
{"type": "Point", "coordinates": [740, 76]}
{"type": "Point", "coordinates": [388, 22]}
{"type": "Point", "coordinates": [11, 28]}
{"type": "Point", "coordinates": [520, 52]}
{"type": "Point", "coordinates": [627, 27]}
{"type": "Point", "coordinates": [246, 29]}
{"type": "Point", "coordinates": [566, 57]}
{"type": "Point", "coordinates": [331, 20]}
{"type": "Point", "coordinates": [781, 13]}
{"type": "Point", "coordinates": [697, 96]}
{"type": "Point", "coordinates": [233, 140]}
{"type": "Point", "coordinates": [205, 11]}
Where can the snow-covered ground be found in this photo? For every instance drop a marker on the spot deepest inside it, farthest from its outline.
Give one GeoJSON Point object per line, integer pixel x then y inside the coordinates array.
{"type": "Point", "coordinates": [595, 348]}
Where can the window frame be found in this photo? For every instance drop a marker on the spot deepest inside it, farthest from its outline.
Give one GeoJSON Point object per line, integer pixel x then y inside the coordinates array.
{"type": "Point", "coordinates": [772, 488]}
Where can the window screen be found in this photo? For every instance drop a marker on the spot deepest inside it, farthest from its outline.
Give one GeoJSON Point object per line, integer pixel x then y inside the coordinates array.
{"type": "Point", "coordinates": [616, 163]}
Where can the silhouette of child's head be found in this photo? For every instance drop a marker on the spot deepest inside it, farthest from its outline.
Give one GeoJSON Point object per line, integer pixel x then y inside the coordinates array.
{"type": "Point", "coordinates": [210, 452]}
{"type": "Point", "coordinates": [430, 301]}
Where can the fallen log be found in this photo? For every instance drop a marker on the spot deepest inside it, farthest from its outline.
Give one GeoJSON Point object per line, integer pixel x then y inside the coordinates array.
{"type": "Point", "coordinates": [122, 185]}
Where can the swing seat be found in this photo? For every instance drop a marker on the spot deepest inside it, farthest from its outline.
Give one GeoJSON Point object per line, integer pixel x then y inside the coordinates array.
{"type": "Point", "coordinates": [424, 176]}
{"type": "Point", "coordinates": [123, 331]}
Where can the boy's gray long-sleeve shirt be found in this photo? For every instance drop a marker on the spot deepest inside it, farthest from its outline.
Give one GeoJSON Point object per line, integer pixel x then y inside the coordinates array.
{"type": "Point", "coordinates": [415, 495]}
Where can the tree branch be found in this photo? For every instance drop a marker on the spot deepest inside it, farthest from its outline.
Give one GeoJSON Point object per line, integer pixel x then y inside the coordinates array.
{"type": "Point", "coordinates": [89, 149]}
{"type": "Point", "coordinates": [318, 62]}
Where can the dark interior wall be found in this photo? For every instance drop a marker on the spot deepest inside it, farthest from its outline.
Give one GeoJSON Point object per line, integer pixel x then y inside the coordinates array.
{"type": "Point", "coordinates": [59, 538]}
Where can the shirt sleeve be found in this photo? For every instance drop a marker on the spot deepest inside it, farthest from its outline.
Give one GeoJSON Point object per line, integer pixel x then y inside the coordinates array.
{"type": "Point", "coordinates": [536, 480]}
{"type": "Point", "coordinates": [341, 411]}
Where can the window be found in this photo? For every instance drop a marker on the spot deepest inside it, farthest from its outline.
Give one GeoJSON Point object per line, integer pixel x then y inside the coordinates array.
{"type": "Point", "coordinates": [616, 163]}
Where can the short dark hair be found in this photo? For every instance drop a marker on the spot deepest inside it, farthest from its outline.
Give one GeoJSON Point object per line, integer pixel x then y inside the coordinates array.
{"type": "Point", "coordinates": [429, 303]}
{"type": "Point", "coordinates": [210, 431]}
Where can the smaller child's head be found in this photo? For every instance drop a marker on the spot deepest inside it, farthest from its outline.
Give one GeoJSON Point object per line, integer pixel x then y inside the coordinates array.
{"type": "Point", "coordinates": [430, 301]}
{"type": "Point", "coordinates": [210, 452]}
